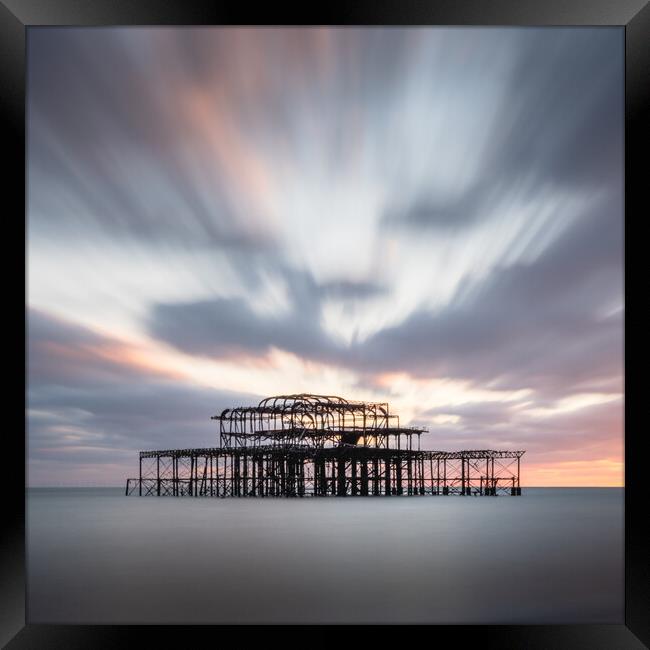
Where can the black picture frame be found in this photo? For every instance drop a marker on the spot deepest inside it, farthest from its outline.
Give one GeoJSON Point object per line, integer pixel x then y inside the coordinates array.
{"type": "Point", "coordinates": [632, 15]}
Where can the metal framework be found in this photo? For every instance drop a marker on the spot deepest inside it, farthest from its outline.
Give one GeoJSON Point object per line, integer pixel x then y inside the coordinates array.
{"type": "Point", "coordinates": [317, 445]}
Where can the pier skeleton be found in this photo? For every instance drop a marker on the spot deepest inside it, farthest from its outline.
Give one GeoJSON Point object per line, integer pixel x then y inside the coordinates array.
{"type": "Point", "coordinates": [319, 445]}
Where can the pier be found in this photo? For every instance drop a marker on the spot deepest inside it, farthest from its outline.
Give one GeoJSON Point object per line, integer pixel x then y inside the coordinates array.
{"type": "Point", "coordinates": [314, 445]}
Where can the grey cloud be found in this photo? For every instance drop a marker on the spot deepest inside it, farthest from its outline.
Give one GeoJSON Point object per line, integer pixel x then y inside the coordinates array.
{"type": "Point", "coordinates": [60, 351]}
{"type": "Point", "coordinates": [83, 409]}
{"type": "Point", "coordinates": [536, 325]}
{"type": "Point", "coordinates": [108, 141]}
{"type": "Point", "coordinates": [483, 414]}
{"type": "Point", "coordinates": [567, 92]}
{"type": "Point", "coordinates": [348, 290]}
{"type": "Point", "coordinates": [436, 212]}
{"type": "Point", "coordinates": [527, 325]}
{"type": "Point", "coordinates": [590, 432]}
{"type": "Point", "coordinates": [227, 327]}
{"type": "Point", "coordinates": [558, 127]}
{"type": "Point", "coordinates": [105, 139]}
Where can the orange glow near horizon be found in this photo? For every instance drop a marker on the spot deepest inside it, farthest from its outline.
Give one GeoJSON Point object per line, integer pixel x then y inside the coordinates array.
{"type": "Point", "coordinates": [606, 472]}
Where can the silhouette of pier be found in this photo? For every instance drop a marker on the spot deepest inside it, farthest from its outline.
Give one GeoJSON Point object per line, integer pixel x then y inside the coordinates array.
{"type": "Point", "coordinates": [317, 445]}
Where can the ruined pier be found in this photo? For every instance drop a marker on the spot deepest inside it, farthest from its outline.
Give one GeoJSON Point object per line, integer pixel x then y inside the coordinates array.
{"type": "Point", "coordinates": [315, 445]}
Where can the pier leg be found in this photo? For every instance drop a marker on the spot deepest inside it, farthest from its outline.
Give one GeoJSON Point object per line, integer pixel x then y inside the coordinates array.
{"type": "Point", "coordinates": [398, 467]}
{"type": "Point", "coordinates": [341, 487]}
{"type": "Point", "coordinates": [364, 478]}
{"type": "Point", "coordinates": [375, 477]}
{"type": "Point", "coordinates": [462, 474]}
{"type": "Point", "coordinates": [422, 486]}
{"type": "Point", "coordinates": [409, 476]}
{"type": "Point", "coordinates": [245, 479]}
{"type": "Point", "coordinates": [387, 486]}
{"type": "Point", "coordinates": [494, 483]}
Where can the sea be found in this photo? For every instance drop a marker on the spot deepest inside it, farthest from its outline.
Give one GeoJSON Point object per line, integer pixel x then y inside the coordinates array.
{"type": "Point", "coordinates": [550, 556]}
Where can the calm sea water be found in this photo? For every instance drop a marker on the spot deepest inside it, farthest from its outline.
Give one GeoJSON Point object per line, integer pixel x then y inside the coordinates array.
{"type": "Point", "coordinates": [549, 556]}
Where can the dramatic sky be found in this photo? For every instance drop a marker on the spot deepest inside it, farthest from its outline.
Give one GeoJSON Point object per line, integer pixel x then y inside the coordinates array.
{"type": "Point", "coordinates": [429, 217]}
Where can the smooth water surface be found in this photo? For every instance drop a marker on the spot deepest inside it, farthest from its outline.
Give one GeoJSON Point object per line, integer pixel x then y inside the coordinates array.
{"type": "Point", "coordinates": [550, 556]}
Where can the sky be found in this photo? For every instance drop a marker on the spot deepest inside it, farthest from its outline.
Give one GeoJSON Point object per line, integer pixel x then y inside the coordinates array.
{"type": "Point", "coordinates": [431, 217]}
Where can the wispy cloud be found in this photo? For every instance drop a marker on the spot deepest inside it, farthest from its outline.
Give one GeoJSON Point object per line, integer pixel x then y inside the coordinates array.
{"type": "Point", "coordinates": [413, 214]}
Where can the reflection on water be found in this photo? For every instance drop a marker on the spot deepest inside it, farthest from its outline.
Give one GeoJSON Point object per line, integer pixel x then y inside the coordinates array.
{"type": "Point", "coordinates": [550, 556]}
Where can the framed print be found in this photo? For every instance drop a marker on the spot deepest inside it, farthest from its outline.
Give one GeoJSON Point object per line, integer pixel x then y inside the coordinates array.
{"type": "Point", "coordinates": [279, 270]}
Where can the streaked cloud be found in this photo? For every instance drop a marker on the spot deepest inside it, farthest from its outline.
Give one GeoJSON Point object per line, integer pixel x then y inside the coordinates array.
{"type": "Point", "coordinates": [432, 216]}
{"type": "Point", "coordinates": [88, 407]}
